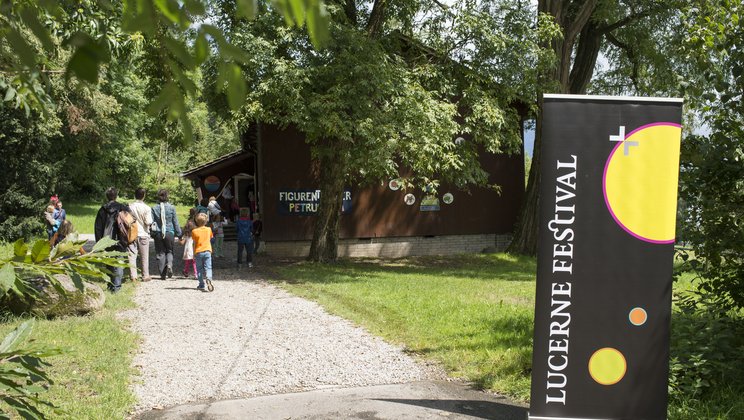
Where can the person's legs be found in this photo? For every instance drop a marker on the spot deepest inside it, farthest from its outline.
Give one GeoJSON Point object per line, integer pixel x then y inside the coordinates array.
{"type": "Point", "coordinates": [218, 246]}
{"type": "Point", "coordinates": [249, 254]}
{"type": "Point", "coordinates": [132, 257]}
{"type": "Point", "coordinates": [201, 271]}
{"type": "Point", "coordinates": [256, 244]}
{"type": "Point", "coordinates": [241, 245]}
{"type": "Point", "coordinates": [208, 269]}
{"type": "Point", "coordinates": [116, 274]}
{"type": "Point", "coordinates": [186, 265]}
{"type": "Point", "coordinates": [143, 243]}
{"type": "Point", "coordinates": [169, 243]}
{"type": "Point", "coordinates": [160, 254]}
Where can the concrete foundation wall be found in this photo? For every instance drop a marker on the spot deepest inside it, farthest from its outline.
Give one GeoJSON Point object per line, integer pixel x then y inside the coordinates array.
{"type": "Point", "coordinates": [398, 246]}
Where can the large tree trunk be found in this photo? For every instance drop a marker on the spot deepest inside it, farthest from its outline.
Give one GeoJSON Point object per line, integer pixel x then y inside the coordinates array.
{"type": "Point", "coordinates": [324, 246]}
{"type": "Point", "coordinates": [572, 24]}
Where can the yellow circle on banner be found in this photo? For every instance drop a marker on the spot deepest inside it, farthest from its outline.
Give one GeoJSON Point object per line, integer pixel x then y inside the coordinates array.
{"type": "Point", "coordinates": [640, 182]}
{"type": "Point", "coordinates": [607, 366]}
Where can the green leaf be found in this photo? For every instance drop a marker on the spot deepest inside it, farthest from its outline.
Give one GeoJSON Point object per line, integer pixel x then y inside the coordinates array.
{"type": "Point", "coordinates": [201, 48]}
{"type": "Point", "coordinates": [31, 20]}
{"type": "Point", "coordinates": [21, 47]}
{"type": "Point", "coordinates": [77, 280]}
{"type": "Point", "coordinates": [20, 249]}
{"type": "Point", "coordinates": [169, 8]}
{"type": "Point", "coordinates": [195, 7]}
{"type": "Point", "coordinates": [87, 58]}
{"type": "Point", "coordinates": [40, 251]}
{"type": "Point", "coordinates": [104, 243]}
{"type": "Point", "coordinates": [247, 8]}
{"type": "Point", "coordinates": [167, 95]}
{"type": "Point", "coordinates": [236, 87]}
{"type": "Point", "coordinates": [298, 11]}
{"type": "Point", "coordinates": [178, 49]}
{"type": "Point", "coordinates": [7, 278]}
{"type": "Point", "coordinates": [17, 336]}
{"type": "Point", "coordinates": [318, 22]}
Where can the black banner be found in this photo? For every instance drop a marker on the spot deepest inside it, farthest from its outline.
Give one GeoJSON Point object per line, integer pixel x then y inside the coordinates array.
{"type": "Point", "coordinates": [608, 199]}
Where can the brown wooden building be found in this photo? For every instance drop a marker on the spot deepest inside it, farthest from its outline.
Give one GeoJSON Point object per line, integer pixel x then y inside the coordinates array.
{"type": "Point", "coordinates": [274, 175]}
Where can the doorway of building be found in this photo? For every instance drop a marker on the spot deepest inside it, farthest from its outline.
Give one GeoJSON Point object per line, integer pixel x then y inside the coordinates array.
{"type": "Point", "coordinates": [246, 193]}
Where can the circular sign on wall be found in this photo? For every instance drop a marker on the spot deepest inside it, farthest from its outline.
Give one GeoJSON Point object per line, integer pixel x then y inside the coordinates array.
{"type": "Point", "coordinates": [448, 198]}
{"type": "Point", "coordinates": [409, 199]}
{"type": "Point", "coordinates": [394, 184]}
{"type": "Point", "coordinates": [212, 183]}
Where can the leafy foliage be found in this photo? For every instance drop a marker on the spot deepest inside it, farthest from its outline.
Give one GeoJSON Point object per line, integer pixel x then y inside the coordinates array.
{"type": "Point", "coordinates": [22, 375]}
{"type": "Point", "coordinates": [712, 175]}
{"type": "Point", "coordinates": [39, 260]}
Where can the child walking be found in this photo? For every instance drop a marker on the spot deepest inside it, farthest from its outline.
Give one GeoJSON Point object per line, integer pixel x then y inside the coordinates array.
{"type": "Point", "coordinates": [245, 240]}
{"type": "Point", "coordinates": [219, 235]}
{"type": "Point", "coordinates": [202, 237]}
{"type": "Point", "coordinates": [188, 247]}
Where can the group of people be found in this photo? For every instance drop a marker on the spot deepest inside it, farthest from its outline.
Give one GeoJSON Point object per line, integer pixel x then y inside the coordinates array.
{"type": "Point", "coordinates": [55, 220]}
{"type": "Point", "coordinates": [202, 236]}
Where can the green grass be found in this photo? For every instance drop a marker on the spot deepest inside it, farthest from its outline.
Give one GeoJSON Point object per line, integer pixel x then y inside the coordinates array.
{"type": "Point", "coordinates": [471, 313]}
{"type": "Point", "coordinates": [82, 215]}
{"type": "Point", "coordinates": [92, 377]}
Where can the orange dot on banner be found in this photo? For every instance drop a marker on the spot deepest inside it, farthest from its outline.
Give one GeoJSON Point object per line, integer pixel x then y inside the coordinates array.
{"type": "Point", "coordinates": [638, 316]}
{"type": "Point", "coordinates": [607, 366]}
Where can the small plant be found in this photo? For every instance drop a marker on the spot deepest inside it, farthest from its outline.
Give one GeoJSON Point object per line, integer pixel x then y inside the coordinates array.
{"type": "Point", "coordinates": [68, 257]}
{"type": "Point", "coordinates": [22, 376]}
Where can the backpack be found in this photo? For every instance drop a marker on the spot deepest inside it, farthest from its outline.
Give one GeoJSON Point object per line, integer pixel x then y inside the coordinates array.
{"type": "Point", "coordinates": [127, 227]}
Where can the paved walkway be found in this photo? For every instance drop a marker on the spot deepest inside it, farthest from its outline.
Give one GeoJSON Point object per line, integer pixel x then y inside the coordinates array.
{"type": "Point", "coordinates": [416, 400]}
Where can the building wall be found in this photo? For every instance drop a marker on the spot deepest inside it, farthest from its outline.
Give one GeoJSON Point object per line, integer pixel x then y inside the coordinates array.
{"type": "Point", "coordinates": [397, 247]}
{"type": "Point", "coordinates": [378, 212]}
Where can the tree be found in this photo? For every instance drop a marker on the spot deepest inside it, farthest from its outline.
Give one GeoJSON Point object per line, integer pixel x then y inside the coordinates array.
{"type": "Point", "coordinates": [395, 85]}
{"type": "Point", "coordinates": [626, 31]}
{"type": "Point", "coordinates": [712, 175]}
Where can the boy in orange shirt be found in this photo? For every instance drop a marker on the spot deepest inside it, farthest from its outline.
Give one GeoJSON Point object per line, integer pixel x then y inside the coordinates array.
{"type": "Point", "coordinates": [202, 236]}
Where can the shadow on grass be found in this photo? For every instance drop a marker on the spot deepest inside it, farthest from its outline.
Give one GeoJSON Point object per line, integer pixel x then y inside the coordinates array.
{"type": "Point", "coordinates": [474, 266]}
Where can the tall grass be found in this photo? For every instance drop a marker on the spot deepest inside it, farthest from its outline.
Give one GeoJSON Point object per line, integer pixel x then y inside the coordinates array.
{"type": "Point", "coordinates": [92, 377]}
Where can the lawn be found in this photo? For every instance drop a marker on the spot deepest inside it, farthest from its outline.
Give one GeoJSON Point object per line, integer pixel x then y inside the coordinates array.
{"type": "Point", "coordinates": [473, 314]}
{"type": "Point", "coordinates": [82, 214]}
{"type": "Point", "coordinates": [92, 378]}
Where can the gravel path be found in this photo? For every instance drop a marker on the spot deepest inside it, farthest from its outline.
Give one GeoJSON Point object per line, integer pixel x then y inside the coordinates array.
{"type": "Point", "coordinates": [250, 338]}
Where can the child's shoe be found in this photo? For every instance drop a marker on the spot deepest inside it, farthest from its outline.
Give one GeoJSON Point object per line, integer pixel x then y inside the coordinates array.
{"type": "Point", "coordinates": [210, 287]}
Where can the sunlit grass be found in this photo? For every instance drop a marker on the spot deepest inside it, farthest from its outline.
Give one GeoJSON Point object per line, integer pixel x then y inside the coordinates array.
{"type": "Point", "coordinates": [92, 377]}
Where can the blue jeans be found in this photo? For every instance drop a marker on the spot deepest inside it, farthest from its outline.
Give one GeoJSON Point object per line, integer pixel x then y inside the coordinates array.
{"type": "Point", "coordinates": [203, 266]}
{"type": "Point", "coordinates": [116, 274]}
{"type": "Point", "coordinates": [248, 246]}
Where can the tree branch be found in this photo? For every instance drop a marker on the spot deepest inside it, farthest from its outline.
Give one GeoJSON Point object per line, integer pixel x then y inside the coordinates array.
{"type": "Point", "coordinates": [376, 18]}
{"type": "Point", "coordinates": [631, 56]}
{"type": "Point", "coordinates": [628, 19]}
{"type": "Point", "coordinates": [573, 28]}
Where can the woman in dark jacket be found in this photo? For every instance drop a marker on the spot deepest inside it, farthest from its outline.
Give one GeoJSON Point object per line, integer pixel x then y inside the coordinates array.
{"type": "Point", "coordinates": [165, 229]}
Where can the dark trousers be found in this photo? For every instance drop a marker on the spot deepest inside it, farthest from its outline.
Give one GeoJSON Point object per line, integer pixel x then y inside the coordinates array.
{"type": "Point", "coordinates": [116, 274]}
{"type": "Point", "coordinates": [248, 246]}
{"type": "Point", "coordinates": [164, 252]}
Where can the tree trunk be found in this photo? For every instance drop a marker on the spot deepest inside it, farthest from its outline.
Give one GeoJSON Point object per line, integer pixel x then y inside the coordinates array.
{"type": "Point", "coordinates": [525, 235]}
{"type": "Point", "coordinates": [324, 246]}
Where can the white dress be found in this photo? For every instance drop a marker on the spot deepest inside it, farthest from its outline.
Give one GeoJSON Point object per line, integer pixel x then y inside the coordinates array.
{"type": "Point", "coordinates": [188, 249]}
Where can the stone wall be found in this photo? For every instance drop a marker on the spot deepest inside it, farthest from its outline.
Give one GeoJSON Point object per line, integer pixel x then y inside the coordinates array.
{"type": "Point", "coordinates": [398, 246]}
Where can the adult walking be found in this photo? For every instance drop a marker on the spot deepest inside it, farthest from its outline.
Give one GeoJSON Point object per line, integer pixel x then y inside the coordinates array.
{"type": "Point", "coordinates": [164, 229]}
{"type": "Point", "coordinates": [106, 225]}
{"type": "Point", "coordinates": [142, 214]}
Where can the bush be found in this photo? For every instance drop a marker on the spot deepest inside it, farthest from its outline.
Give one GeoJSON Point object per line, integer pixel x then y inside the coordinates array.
{"type": "Point", "coordinates": [707, 349]}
